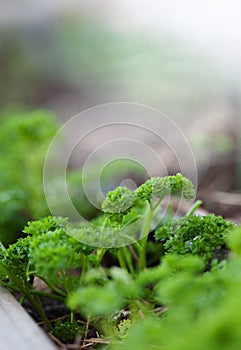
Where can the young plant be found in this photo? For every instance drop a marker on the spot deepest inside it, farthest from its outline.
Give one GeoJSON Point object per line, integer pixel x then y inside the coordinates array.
{"type": "Point", "coordinates": [123, 207]}
{"type": "Point", "coordinates": [78, 274]}
{"type": "Point", "coordinates": [49, 253]}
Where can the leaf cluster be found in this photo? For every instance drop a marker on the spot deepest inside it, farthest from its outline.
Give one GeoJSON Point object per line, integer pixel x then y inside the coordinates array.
{"type": "Point", "coordinates": [202, 309]}
{"type": "Point", "coordinates": [67, 331]}
{"type": "Point", "coordinates": [165, 186]}
{"type": "Point", "coordinates": [122, 199]}
{"type": "Point", "coordinates": [177, 293]}
{"type": "Point", "coordinates": [16, 259]}
{"type": "Point", "coordinates": [194, 234]}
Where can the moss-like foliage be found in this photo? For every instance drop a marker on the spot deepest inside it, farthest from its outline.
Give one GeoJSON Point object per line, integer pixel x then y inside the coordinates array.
{"type": "Point", "coordinates": [67, 331]}
{"type": "Point", "coordinates": [199, 235]}
{"type": "Point", "coordinates": [119, 200]}
{"type": "Point", "coordinates": [164, 186]}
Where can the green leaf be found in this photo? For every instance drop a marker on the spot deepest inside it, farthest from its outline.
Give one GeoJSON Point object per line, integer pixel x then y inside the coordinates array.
{"type": "Point", "coordinates": [199, 235]}
{"type": "Point", "coordinates": [164, 186]}
{"type": "Point", "coordinates": [96, 300]}
{"type": "Point", "coordinates": [119, 200]}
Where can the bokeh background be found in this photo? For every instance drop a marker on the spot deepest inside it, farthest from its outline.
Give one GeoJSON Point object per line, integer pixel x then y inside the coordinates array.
{"type": "Point", "coordinates": [182, 58]}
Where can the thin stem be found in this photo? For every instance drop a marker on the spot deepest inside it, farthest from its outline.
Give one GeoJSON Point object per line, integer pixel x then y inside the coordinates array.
{"type": "Point", "coordinates": [99, 256]}
{"type": "Point", "coordinates": [7, 285]}
{"type": "Point", "coordinates": [72, 316]}
{"type": "Point", "coordinates": [11, 276]}
{"type": "Point", "coordinates": [145, 233]}
{"type": "Point", "coordinates": [128, 259]}
{"type": "Point", "coordinates": [47, 295]}
{"type": "Point", "coordinates": [133, 254]}
{"type": "Point", "coordinates": [134, 242]}
{"type": "Point", "coordinates": [21, 300]}
{"type": "Point", "coordinates": [83, 260]}
{"type": "Point", "coordinates": [143, 254]}
{"type": "Point", "coordinates": [121, 259]}
{"type": "Point", "coordinates": [34, 292]}
{"type": "Point", "coordinates": [101, 252]}
{"type": "Point", "coordinates": [26, 291]}
{"type": "Point", "coordinates": [69, 280]}
{"type": "Point", "coordinates": [195, 206]}
{"type": "Point", "coordinates": [54, 288]}
{"type": "Point", "coordinates": [157, 204]}
{"type": "Point", "coordinates": [65, 280]}
{"type": "Point", "coordinates": [2, 246]}
{"type": "Point", "coordinates": [39, 307]}
{"type": "Point", "coordinates": [86, 330]}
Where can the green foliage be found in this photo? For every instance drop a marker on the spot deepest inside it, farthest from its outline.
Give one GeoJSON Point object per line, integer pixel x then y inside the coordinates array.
{"type": "Point", "coordinates": [203, 311]}
{"type": "Point", "coordinates": [142, 207]}
{"type": "Point", "coordinates": [234, 240]}
{"type": "Point", "coordinates": [23, 141]}
{"type": "Point", "coordinates": [178, 295]}
{"type": "Point", "coordinates": [45, 225]}
{"type": "Point", "coordinates": [122, 328]}
{"type": "Point", "coordinates": [80, 182]}
{"type": "Point", "coordinates": [119, 200]}
{"type": "Point", "coordinates": [67, 331]}
{"type": "Point", "coordinates": [54, 253]}
{"type": "Point", "coordinates": [49, 253]}
{"type": "Point", "coordinates": [122, 199]}
{"type": "Point", "coordinates": [122, 290]}
{"type": "Point", "coordinates": [200, 235]}
{"type": "Point", "coordinates": [161, 187]}
{"type": "Point", "coordinates": [16, 258]}
{"type": "Point", "coordinates": [145, 334]}
{"type": "Point", "coordinates": [129, 216]}
{"type": "Point", "coordinates": [96, 300]}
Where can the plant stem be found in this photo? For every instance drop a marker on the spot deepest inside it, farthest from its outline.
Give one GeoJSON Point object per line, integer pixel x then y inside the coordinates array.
{"type": "Point", "coordinates": [145, 233]}
{"type": "Point", "coordinates": [72, 316]}
{"type": "Point", "coordinates": [121, 259]}
{"type": "Point", "coordinates": [128, 259]}
{"type": "Point", "coordinates": [83, 260]}
{"type": "Point", "coordinates": [99, 256]}
{"type": "Point", "coordinates": [7, 285]}
{"type": "Point", "coordinates": [21, 300]}
{"type": "Point", "coordinates": [133, 254]}
{"type": "Point", "coordinates": [157, 204]}
{"type": "Point", "coordinates": [54, 288]}
{"type": "Point", "coordinates": [195, 206]}
{"type": "Point", "coordinates": [39, 307]}
{"type": "Point", "coordinates": [34, 300]}
{"type": "Point", "coordinates": [47, 295]}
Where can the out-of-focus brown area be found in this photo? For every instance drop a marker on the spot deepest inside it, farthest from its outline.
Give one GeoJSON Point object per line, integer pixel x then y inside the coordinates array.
{"type": "Point", "coordinates": [66, 57]}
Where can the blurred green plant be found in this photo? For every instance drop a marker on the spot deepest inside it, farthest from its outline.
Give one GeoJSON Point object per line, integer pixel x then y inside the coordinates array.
{"type": "Point", "coordinates": [202, 310]}
{"type": "Point", "coordinates": [67, 331]}
{"type": "Point", "coordinates": [24, 139]}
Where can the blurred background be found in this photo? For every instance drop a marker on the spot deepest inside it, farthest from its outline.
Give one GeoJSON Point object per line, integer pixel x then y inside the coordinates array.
{"type": "Point", "coordinates": [61, 57]}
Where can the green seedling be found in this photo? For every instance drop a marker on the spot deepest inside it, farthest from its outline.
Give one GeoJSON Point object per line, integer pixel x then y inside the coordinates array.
{"type": "Point", "coordinates": [175, 293]}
